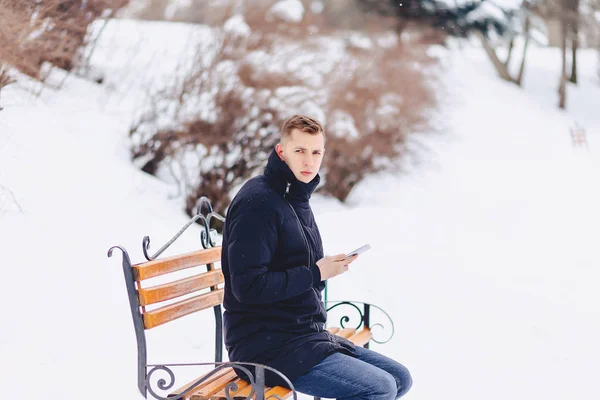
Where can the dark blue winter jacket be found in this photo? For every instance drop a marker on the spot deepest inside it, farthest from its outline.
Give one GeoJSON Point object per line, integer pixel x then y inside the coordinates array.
{"type": "Point", "coordinates": [274, 314]}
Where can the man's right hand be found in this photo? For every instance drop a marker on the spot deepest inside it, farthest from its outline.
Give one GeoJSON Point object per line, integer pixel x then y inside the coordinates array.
{"type": "Point", "coordinates": [331, 266]}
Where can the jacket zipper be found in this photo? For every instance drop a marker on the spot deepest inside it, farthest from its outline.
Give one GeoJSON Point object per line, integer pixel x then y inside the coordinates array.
{"type": "Point", "coordinates": [287, 190]}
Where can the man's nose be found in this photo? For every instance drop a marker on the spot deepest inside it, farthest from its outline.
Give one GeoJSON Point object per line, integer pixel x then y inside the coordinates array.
{"type": "Point", "coordinates": [308, 160]}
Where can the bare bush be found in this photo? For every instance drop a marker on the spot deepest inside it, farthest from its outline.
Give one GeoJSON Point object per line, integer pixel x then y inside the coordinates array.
{"type": "Point", "coordinates": [334, 17]}
{"type": "Point", "coordinates": [372, 110]}
{"type": "Point", "coordinates": [54, 31]}
{"type": "Point", "coordinates": [5, 80]}
{"type": "Point", "coordinates": [217, 130]}
{"type": "Point", "coordinates": [213, 127]}
{"type": "Point", "coordinates": [210, 155]}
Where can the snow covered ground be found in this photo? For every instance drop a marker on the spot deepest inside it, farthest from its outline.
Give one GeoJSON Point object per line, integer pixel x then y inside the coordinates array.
{"type": "Point", "coordinates": [484, 253]}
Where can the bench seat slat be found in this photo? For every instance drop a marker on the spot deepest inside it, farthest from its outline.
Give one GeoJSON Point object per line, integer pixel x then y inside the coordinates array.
{"type": "Point", "coordinates": [167, 291]}
{"type": "Point", "coordinates": [244, 390]}
{"type": "Point", "coordinates": [206, 392]}
{"type": "Point", "coordinates": [181, 308]}
{"type": "Point", "coordinates": [362, 337]}
{"type": "Point", "coordinates": [163, 266]}
{"type": "Point", "coordinates": [346, 332]}
{"type": "Point", "coordinates": [280, 391]}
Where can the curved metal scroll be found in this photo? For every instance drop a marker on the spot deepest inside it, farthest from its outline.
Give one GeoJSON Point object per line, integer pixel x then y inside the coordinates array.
{"type": "Point", "coordinates": [205, 234]}
{"type": "Point", "coordinates": [146, 241]}
{"type": "Point", "coordinates": [257, 382]}
{"type": "Point", "coordinates": [353, 304]}
{"type": "Point", "coordinates": [203, 201]}
{"type": "Point", "coordinates": [345, 318]}
{"type": "Point", "coordinates": [205, 237]}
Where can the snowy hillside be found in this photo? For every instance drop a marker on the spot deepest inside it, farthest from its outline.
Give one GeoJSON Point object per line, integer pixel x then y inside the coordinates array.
{"type": "Point", "coordinates": [484, 252]}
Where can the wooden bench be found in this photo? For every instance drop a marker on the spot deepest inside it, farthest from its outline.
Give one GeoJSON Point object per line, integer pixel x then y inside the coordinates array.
{"type": "Point", "coordinates": [202, 291]}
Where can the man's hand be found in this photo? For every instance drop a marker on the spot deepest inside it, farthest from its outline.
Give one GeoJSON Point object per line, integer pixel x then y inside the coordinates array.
{"type": "Point", "coordinates": [331, 266]}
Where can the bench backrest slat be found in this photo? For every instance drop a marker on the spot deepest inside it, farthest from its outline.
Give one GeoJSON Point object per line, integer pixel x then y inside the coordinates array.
{"type": "Point", "coordinates": [168, 291]}
{"type": "Point", "coordinates": [176, 287]}
{"type": "Point", "coordinates": [181, 308]}
{"type": "Point", "coordinates": [163, 266]}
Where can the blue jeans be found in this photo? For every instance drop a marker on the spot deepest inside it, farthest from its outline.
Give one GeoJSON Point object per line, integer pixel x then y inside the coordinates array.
{"type": "Point", "coordinates": [371, 376]}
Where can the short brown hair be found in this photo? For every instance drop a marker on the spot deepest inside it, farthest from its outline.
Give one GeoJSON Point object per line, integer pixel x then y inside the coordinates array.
{"type": "Point", "coordinates": [302, 123]}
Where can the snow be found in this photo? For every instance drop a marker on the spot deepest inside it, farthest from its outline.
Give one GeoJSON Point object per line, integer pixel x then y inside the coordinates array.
{"type": "Point", "coordinates": [360, 41]}
{"type": "Point", "coordinates": [342, 125]}
{"type": "Point", "coordinates": [539, 37]}
{"type": "Point", "coordinates": [174, 6]}
{"type": "Point", "coordinates": [484, 250]}
{"type": "Point", "coordinates": [299, 99]}
{"type": "Point", "coordinates": [293, 62]}
{"type": "Point", "coordinates": [288, 10]}
{"type": "Point", "coordinates": [317, 7]}
{"type": "Point", "coordinates": [237, 26]}
{"type": "Point", "coordinates": [388, 40]}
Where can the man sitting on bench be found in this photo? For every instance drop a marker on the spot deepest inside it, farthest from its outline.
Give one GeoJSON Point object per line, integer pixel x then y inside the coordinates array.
{"type": "Point", "coordinates": [274, 270]}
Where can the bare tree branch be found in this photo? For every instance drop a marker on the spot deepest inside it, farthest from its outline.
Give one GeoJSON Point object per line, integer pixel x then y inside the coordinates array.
{"type": "Point", "coordinates": [500, 67]}
{"type": "Point", "coordinates": [4, 190]}
{"type": "Point", "coordinates": [33, 33]}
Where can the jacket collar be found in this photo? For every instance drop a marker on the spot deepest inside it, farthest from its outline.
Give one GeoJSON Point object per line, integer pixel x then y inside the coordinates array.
{"type": "Point", "coordinates": [281, 177]}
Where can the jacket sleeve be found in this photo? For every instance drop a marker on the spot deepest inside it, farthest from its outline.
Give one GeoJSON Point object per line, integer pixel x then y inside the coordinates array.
{"type": "Point", "coordinates": [253, 237]}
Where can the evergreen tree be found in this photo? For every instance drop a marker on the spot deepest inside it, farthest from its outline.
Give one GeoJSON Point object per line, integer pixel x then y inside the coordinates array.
{"type": "Point", "coordinates": [456, 18]}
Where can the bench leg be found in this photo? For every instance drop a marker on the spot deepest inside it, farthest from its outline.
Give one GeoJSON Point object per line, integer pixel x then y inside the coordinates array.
{"type": "Point", "coordinates": [317, 398]}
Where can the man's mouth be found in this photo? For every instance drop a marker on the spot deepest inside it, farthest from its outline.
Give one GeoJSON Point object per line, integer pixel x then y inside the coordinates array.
{"type": "Point", "coordinates": [306, 173]}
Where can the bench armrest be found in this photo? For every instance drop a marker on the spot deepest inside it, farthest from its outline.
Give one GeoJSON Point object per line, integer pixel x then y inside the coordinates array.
{"type": "Point", "coordinates": [257, 380]}
{"type": "Point", "coordinates": [362, 313]}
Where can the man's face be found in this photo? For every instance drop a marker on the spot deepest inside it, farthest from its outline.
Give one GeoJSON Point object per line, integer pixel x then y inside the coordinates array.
{"type": "Point", "coordinates": [303, 153]}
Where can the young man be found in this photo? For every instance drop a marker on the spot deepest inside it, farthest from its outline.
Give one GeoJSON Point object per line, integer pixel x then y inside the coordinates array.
{"type": "Point", "coordinates": [274, 273]}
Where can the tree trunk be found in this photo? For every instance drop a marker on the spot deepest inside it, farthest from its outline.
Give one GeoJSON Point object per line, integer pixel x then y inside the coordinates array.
{"type": "Point", "coordinates": [510, 49]}
{"type": "Point", "coordinates": [400, 27]}
{"type": "Point", "coordinates": [575, 39]}
{"type": "Point", "coordinates": [575, 45]}
{"type": "Point", "coordinates": [525, 46]}
{"type": "Point", "coordinates": [562, 87]}
{"type": "Point", "coordinates": [498, 65]}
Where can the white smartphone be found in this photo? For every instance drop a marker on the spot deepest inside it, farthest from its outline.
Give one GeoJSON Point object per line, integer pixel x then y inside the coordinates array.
{"type": "Point", "coordinates": [360, 250]}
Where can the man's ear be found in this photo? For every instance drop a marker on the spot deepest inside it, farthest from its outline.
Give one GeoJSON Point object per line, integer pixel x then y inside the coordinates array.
{"type": "Point", "coordinates": [279, 150]}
